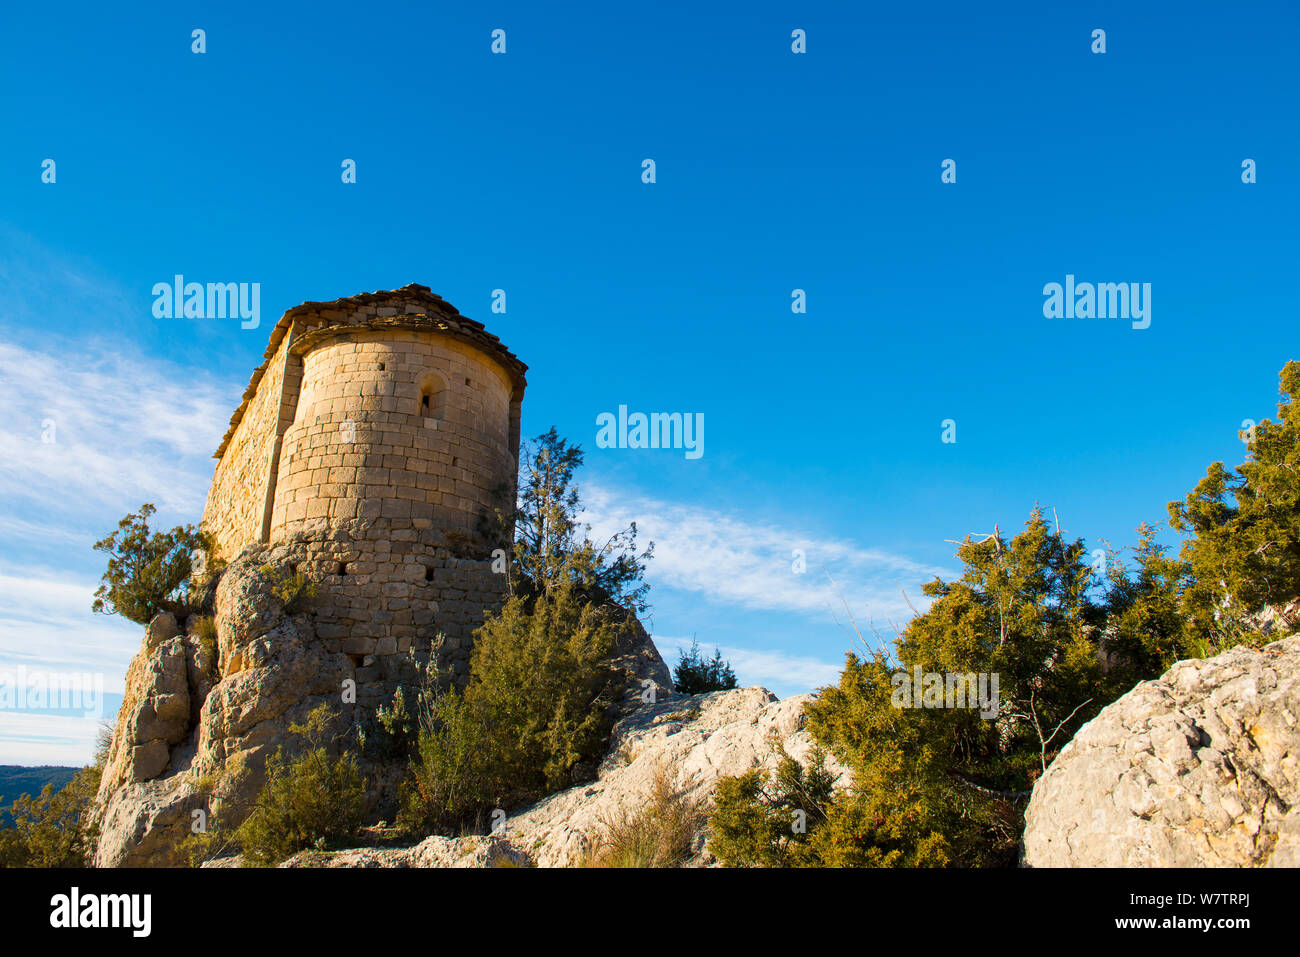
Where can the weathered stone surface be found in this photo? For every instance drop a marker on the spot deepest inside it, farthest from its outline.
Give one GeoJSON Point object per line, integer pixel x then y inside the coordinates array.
{"type": "Point", "coordinates": [489, 851]}
{"type": "Point", "coordinates": [161, 627]}
{"type": "Point", "coordinates": [185, 717]}
{"type": "Point", "coordinates": [695, 740]}
{"type": "Point", "coordinates": [645, 674]}
{"type": "Point", "coordinates": [1198, 768]}
{"type": "Point", "coordinates": [155, 709]}
{"type": "Point", "coordinates": [142, 823]}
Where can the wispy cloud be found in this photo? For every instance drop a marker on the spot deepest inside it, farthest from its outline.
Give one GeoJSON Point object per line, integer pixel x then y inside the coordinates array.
{"type": "Point", "coordinates": [46, 622]}
{"type": "Point", "coordinates": [732, 561]}
{"type": "Point", "coordinates": [31, 739]}
{"type": "Point", "coordinates": [86, 431]}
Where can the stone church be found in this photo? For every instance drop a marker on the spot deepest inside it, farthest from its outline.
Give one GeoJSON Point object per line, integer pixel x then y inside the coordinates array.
{"type": "Point", "coordinates": [380, 440]}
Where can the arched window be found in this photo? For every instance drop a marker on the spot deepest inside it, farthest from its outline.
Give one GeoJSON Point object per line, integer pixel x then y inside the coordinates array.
{"type": "Point", "coordinates": [433, 397]}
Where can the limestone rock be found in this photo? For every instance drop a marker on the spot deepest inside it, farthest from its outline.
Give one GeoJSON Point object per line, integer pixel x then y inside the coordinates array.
{"type": "Point", "coordinates": [1198, 768]}
{"type": "Point", "coordinates": [142, 823]}
{"type": "Point", "coordinates": [155, 709]}
{"type": "Point", "coordinates": [478, 851]}
{"type": "Point", "coordinates": [695, 740]}
{"type": "Point", "coordinates": [161, 627]}
{"type": "Point", "coordinates": [208, 712]}
{"type": "Point", "coordinates": [644, 673]}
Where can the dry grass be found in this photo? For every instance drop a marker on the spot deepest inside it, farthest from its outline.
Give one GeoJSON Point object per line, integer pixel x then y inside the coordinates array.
{"type": "Point", "coordinates": [660, 834]}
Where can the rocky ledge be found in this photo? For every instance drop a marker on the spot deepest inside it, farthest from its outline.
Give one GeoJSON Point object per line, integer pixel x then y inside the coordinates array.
{"type": "Point", "coordinates": [1200, 768]}
{"type": "Point", "coordinates": [695, 740]}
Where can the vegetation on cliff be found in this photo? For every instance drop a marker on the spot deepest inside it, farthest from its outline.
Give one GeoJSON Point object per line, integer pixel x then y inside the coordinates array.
{"type": "Point", "coordinates": [935, 785]}
{"type": "Point", "coordinates": [534, 708]}
{"type": "Point", "coordinates": [55, 828]}
{"type": "Point", "coordinates": [148, 571]}
{"type": "Point", "coordinates": [312, 800]}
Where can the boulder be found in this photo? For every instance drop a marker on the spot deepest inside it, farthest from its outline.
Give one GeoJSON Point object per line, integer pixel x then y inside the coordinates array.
{"type": "Point", "coordinates": [1198, 768]}
{"type": "Point", "coordinates": [161, 627]}
{"type": "Point", "coordinates": [142, 824]}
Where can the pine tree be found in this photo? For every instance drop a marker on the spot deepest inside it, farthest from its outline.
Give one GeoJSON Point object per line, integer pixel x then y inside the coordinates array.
{"type": "Point", "coordinates": [552, 548]}
{"type": "Point", "coordinates": [696, 675]}
{"type": "Point", "coordinates": [147, 571]}
{"type": "Point", "coordinates": [1245, 525]}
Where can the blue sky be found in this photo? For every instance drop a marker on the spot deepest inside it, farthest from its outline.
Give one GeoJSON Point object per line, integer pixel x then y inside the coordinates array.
{"type": "Point", "coordinates": [774, 171]}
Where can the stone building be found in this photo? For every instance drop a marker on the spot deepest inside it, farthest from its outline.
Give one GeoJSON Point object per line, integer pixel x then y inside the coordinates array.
{"type": "Point", "coordinates": [372, 450]}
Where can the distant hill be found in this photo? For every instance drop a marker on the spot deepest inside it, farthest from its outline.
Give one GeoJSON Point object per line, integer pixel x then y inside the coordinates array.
{"type": "Point", "coordinates": [15, 781]}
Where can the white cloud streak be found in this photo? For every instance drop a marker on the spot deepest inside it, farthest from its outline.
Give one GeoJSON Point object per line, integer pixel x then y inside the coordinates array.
{"type": "Point", "coordinates": [731, 561]}
{"type": "Point", "coordinates": [46, 622]}
{"type": "Point", "coordinates": [84, 432]}
{"type": "Point", "coordinates": [31, 738]}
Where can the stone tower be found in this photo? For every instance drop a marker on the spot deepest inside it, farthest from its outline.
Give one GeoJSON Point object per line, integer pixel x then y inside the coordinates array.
{"type": "Point", "coordinates": [372, 448]}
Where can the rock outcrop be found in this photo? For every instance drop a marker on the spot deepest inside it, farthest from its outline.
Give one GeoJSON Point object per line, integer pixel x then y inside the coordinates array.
{"type": "Point", "coordinates": [1198, 768]}
{"type": "Point", "coordinates": [693, 740]}
{"type": "Point", "coordinates": [201, 714]}
{"type": "Point", "coordinates": [206, 705]}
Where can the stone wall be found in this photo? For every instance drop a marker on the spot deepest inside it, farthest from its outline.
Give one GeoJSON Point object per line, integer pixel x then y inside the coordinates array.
{"type": "Point", "coordinates": [363, 446]}
{"type": "Point", "coordinates": [242, 485]}
{"type": "Point", "coordinates": [385, 589]}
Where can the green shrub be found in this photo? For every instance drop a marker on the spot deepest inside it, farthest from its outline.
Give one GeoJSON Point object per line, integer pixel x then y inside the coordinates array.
{"type": "Point", "coordinates": [291, 587]}
{"type": "Point", "coordinates": [53, 829]}
{"type": "Point", "coordinates": [946, 785]}
{"type": "Point", "coordinates": [1145, 630]}
{"type": "Point", "coordinates": [309, 801]}
{"type": "Point", "coordinates": [533, 708]}
{"type": "Point", "coordinates": [697, 675]}
{"type": "Point", "coordinates": [204, 628]}
{"type": "Point", "coordinates": [757, 823]}
{"type": "Point", "coordinates": [941, 786]}
{"type": "Point", "coordinates": [744, 830]}
{"type": "Point", "coordinates": [147, 572]}
{"type": "Point", "coordinates": [395, 731]}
